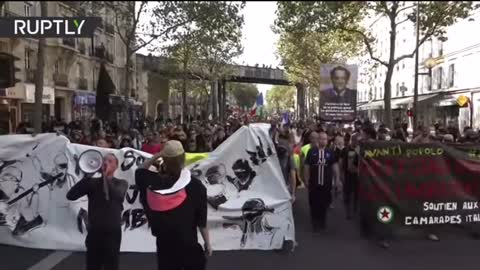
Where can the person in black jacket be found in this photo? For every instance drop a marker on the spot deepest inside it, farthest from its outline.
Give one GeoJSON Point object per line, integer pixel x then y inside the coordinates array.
{"type": "Point", "coordinates": [105, 206]}
{"type": "Point", "coordinates": [176, 205]}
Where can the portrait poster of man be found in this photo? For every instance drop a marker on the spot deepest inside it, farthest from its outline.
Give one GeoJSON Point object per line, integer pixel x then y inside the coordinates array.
{"type": "Point", "coordinates": [338, 92]}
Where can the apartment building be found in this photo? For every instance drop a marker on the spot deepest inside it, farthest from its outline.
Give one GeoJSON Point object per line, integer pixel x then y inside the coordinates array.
{"type": "Point", "coordinates": [71, 65]}
{"type": "Point", "coordinates": [452, 75]}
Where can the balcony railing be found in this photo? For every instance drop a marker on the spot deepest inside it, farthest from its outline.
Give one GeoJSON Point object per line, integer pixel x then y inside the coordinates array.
{"type": "Point", "coordinates": [69, 42]}
{"type": "Point", "coordinates": [30, 75]}
{"type": "Point", "coordinates": [60, 79]}
{"type": "Point", "coordinates": [109, 28]}
{"type": "Point", "coordinates": [83, 83]}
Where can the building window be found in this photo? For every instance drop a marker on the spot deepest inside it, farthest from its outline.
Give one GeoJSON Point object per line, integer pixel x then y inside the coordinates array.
{"type": "Point", "coordinates": [381, 93]}
{"type": "Point", "coordinates": [403, 89]}
{"type": "Point", "coordinates": [28, 59]}
{"type": "Point", "coordinates": [398, 90]}
{"type": "Point", "coordinates": [451, 75]}
{"type": "Point", "coordinates": [80, 71]}
{"type": "Point", "coordinates": [440, 78]}
{"type": "Point", "coordinates": [95, 76]}
{"type": "Point", "coordinates": [27, 8]}
{"type": "Point", "coordinates": [374, 93]}
{"type": "Point", "coordinates": [57, 66]}
{"type": "Point", "coordinates": [439, 47]}
{"type": "Point", "coordinates": [428, 83]}
{"type": "Point", "coordinates": [403, 65]}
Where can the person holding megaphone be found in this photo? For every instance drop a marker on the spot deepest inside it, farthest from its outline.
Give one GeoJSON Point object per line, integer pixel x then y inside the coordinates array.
{"type": "Point", "coordinates": [105, 205]}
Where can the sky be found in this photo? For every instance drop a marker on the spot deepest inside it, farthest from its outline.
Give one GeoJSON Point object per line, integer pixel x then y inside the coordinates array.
{"type": "Point", "coordinates": [259, 41]}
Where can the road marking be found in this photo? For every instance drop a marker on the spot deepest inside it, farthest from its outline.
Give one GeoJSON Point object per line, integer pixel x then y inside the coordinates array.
{"type": "Point", "coordinates": [51, 260]}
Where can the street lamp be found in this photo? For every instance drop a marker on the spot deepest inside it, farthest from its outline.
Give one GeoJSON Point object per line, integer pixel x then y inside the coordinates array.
{"type": "Point", "coordinates": [428, 63]}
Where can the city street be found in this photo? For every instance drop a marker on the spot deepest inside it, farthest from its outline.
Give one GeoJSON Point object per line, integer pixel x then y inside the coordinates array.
{"type": "Point", "coordinates": [339, 248]}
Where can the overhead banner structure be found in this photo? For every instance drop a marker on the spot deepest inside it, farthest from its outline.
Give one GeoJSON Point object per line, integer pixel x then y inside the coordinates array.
{"type": "Point", "coordinates": [249, 204]}
{"type": "Point", "coordinates": [338, 92]}
{"type": "Point", "coordinates": [410, 186]}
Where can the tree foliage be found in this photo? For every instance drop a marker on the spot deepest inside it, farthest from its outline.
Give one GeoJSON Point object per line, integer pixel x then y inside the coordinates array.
{"type": "Point", "coordinates": [244, 94]}
{"type": "Point", "coordinates": [209, 42]}
{"type": "Point", "coordinates": [281, 98]}
{"type": "Point", "coordinates": [204, 47]}
{"type": "Point", "coordinates": [350, 16]}
{"type": "Point", "coordinates": [302, 53]}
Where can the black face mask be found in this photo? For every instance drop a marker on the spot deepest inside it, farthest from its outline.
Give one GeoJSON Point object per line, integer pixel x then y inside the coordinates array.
{"type": "Point", "coordinates": [62, 165]}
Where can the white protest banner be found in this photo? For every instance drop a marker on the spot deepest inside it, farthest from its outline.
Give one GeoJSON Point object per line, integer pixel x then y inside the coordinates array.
{"type": "Point", "coordinates": [249, 205]}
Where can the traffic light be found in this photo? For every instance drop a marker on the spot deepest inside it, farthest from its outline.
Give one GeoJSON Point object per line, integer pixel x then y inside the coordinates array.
{"type": "Point", "coordinates": [410, 113]}
{"type": "Point", "coordinates": [8, 70]}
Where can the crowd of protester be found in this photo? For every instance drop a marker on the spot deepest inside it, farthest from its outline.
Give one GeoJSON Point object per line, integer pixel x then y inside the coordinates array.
{"type": "Point", "coordinates": [344, 142]}
{"type": "Point", "coordinates": [291, 140]}
{"type": "Point", "coordinates": [148, 136]}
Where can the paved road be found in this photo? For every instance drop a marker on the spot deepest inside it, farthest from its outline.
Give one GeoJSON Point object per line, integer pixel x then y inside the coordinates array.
{"type": "Point", "coordinates": [339, 248]}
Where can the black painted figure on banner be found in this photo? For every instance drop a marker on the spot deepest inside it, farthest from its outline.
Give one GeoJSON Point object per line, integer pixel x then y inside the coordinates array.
{"type": "Point", "coordinates": [253, 222]}
{"type": "Point", "coordinates": [6, 163]}
{"type": "Point", "coordinates": [244, 175]}
{"type": "Point", "coordinates": [59, 172]}
{"type": "Point", "coordinates": [214, 182]}
{"type": "Point", "coordinates": [259, 156]}
{"type": "Point", "coordinates": [216, 190]}
{"type": "Point", "coordinates": [320, 172]}
{"type": "Point", "coordinates": [349, 165]}
{"type": "Point", "coordinates": [10, 187]}
{"type": "Point", "coordinates": [339, 93]}
{"type": "Point", "coordinates": [175, 203]}
{"type": "Point", "coordinates": [26, 203]}
{"type": "Point", "coordinates": [105, 206]}
{"type": "Point", "coordinates": [55, 178]}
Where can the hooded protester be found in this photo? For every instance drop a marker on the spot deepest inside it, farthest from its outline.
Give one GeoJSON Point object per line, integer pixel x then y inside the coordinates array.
{"type": "Point", "coordinates": [176, 205]}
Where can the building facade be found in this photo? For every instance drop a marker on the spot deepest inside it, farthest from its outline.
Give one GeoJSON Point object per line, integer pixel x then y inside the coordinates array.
{"type": "Point", "coordinates": [72, 66]}
{"type": "Point", "coordinates": [452, 75]}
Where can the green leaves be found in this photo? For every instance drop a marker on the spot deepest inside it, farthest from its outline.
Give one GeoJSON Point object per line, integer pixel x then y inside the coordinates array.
{"type": "Point", "coordinates": [244, 94]}
{"type": "Point", "coordinates": [211, 39]}
{"type": "Point", "coordinates": [281, 98]}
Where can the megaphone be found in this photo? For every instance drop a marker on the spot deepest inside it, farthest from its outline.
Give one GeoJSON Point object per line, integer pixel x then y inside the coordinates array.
{"type": "Point", "coordinates": [90, 161]}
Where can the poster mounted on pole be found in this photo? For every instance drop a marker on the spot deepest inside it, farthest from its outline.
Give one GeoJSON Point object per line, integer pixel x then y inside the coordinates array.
{"type": "Point", "coordinates": [338, 92]}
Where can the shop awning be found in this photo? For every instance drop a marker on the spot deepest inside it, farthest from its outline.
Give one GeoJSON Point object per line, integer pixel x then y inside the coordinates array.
{"type": "Point", "coordinates": [448, 100]}
{"type": "Point", "coordinates": [408, 101]}
{"type": "Point", "coordinates": [401, 102]}
{"type": "Point", "coordinates": [374, 105]}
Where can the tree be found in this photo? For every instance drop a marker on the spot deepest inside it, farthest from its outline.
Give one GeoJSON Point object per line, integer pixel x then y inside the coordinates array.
{"type": "Point", "coordinates": [204, 47]}
{"type": "Point", "coordinates": [349, 17]}
{"type": "Point", "coordinates": [244, 94]}
{"type": "Point", "coordinates": [281, 98]}
{"type": "Point", "coordinates": [39, 77]}
{"type": "Point", "coordinates": [302, 53]}
{"type": "Point", "coordinates": [141, 24]}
